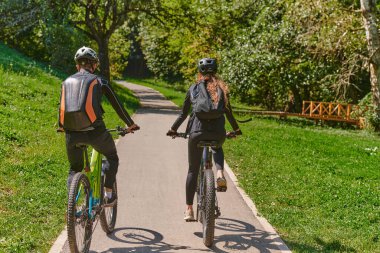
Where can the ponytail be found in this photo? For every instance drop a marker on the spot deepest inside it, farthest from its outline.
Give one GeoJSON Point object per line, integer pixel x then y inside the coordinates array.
{"type": "Point", "coordinates": [213, 82]}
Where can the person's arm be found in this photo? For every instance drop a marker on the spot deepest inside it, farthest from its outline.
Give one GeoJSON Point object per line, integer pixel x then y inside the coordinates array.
{"type": "Point", "coordinates": [231, 118]}
{"type": "Point", "coordinates": [117, 106]}
{"type": "Point", "coordinates": [60, 112]}
{"type": "Point", "coordinates": [185, 111]}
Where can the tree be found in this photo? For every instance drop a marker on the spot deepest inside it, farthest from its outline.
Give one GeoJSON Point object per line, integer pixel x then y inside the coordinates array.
{"type": "Point", "coordinates": [20, 25]}
{"type": "Point", "coordinates": [368, 8]}
{"type": "Point", "coordinates": [100, 19]}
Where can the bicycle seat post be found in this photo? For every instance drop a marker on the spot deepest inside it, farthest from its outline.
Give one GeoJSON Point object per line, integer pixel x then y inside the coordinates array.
{"type": "Point", "coordinates": [207, 156]}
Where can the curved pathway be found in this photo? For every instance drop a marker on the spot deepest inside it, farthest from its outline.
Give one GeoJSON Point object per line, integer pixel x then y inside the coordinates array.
{"type": "Point", "coordinates": [151, 184]}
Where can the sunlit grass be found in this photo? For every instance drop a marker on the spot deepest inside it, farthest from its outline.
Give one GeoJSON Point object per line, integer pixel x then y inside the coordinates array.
{"type": "Point", "coordinates": [34, 163]}
{"type": "Point", "coordinates": [319, 187]}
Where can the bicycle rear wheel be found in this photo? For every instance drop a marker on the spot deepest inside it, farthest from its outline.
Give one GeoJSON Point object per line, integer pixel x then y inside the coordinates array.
{"type": "Point", "coordinates": [208, 216]}
{"type": "Point", "coordinates": [108, 214]}
{"type": "Point", "coordinates": [79, 225]}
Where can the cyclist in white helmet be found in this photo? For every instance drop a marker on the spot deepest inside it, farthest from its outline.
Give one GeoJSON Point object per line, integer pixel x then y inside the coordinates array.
{"type": "Point", "coordinates": [80, 117]}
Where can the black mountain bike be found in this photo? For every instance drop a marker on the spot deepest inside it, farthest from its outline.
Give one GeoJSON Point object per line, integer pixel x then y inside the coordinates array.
{"type": "Point", "coordinates": [207, 202]}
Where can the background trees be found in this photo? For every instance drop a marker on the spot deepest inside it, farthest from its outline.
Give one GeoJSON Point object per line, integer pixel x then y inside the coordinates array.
{"type": "Point", "coordinates": [368, 8]}
{"type": "Point", "coordinates": [269, 51]}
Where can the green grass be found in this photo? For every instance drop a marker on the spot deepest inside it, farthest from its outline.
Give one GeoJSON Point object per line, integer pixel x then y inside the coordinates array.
{"type": "Point", "coordinates": [318, 186]}
{"type": "Point", "coordinates": [33, 163]}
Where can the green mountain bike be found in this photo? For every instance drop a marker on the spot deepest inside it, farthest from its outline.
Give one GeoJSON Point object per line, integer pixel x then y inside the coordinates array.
{"type": "Point", "coordinates": [86, 203]}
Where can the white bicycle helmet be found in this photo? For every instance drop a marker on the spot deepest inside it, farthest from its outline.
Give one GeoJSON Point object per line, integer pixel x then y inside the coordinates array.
{"type": "Point", "coordinates": [86, 53]}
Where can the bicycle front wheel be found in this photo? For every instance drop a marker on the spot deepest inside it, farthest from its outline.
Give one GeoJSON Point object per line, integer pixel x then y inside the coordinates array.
{"type": "Point", "coordinates": [108, 213]}
{"type": "Point", "coordinates": [79, 225]}
{"type": "Point", "coordinates": [208, 217]}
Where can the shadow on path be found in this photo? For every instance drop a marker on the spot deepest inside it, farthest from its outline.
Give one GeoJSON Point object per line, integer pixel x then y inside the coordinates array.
{"type": "Point", "coordinates": [142, 240]}
{"type": "Point", "coordinates": [240, 237]}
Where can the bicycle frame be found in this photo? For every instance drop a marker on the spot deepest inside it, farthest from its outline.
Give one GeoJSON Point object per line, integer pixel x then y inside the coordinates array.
{"type": "Point", "coordinates": [206, 164]}
{"type": "Point", "coordinates": [93, 170]}
{"type": "Point", "coordinates": [207, 158]}
{"type": "Point", "coordinates": [85, 201]}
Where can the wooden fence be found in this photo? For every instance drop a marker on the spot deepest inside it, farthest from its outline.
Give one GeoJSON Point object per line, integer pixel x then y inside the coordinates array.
{"type": "Point", "coordinates": [323, 111]}
{"type": "Point", "coordinates": [349, 113]}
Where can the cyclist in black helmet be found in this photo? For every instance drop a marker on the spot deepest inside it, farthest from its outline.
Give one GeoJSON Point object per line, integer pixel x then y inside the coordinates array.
{"type": "Point", "coordinates": [80, 117]}
{"type": "Point", "coordinates": [205, 124]}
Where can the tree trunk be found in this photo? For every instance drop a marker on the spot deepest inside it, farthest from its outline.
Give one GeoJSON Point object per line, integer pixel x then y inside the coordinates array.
{"type": "Point", "coordinates": [297, 100]}
{"type": "Point", "coordinates": [104, 58]}
{"type": "Point", "coordinates": [368, 8]}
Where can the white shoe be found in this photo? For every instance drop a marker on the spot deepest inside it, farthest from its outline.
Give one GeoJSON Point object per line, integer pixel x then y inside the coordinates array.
{"type": "Point", "coordinates": [189, 215]}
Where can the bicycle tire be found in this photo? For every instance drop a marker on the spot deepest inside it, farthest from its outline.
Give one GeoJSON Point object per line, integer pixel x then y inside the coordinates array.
{"type": "Point", "coordinates": [208, 216]}
{"type": "Point", "coordinates": [108, 214]}
{"type": "Point", "coordinates": [77, 215]}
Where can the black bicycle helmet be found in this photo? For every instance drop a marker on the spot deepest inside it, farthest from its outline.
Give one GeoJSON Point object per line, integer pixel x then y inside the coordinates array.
{"type": "Point", "coordinates": [86, 53]}
{"type": "Point", "coordinates": [207, 66]}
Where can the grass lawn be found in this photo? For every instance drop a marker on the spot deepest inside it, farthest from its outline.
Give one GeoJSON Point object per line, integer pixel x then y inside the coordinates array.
{"type": "Point", "coordinates": [318, 186]}
{"type": "Point", "coordinates": [33, 163]}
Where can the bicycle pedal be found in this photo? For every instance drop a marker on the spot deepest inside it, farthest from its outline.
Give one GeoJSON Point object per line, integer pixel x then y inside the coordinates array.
{"type": "Point", "coordinates": [111, 204]}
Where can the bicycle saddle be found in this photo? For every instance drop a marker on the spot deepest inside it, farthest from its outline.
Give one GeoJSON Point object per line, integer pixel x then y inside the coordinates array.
{"type": "Point", "coordinates": [211, 144]}
{"type": "Point", "coordinates": [81, 145]}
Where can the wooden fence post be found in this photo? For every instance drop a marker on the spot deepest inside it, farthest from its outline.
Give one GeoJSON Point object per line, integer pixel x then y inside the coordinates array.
{"type": "Point", "coordinates": [311, 108]}
{"type": "Point", "coordinates": [348, 111]}
{"type": "Point", "coordinates": [303, 107]}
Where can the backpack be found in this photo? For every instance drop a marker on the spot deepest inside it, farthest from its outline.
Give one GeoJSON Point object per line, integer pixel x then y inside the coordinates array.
{"type": "Point", "coordinates": [77, 103]}
{"type": "Point", "coordinates": [203, 107]}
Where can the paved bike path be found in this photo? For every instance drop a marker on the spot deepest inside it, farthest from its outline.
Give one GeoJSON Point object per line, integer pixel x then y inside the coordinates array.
{"type": "Point", "coordinates": [151, 185]}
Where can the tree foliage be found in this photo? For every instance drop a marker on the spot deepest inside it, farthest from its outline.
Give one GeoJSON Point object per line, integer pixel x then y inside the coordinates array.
{"type": "Point", "coordinates": [39, 29]}
{"type": "Point", "coordinates": [268, 50]}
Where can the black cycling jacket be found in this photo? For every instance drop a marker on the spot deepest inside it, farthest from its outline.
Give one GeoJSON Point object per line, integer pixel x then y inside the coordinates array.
{"type": "Point", "coordinates": [101, 88]}
{"type": "Point", "coordinates": [197, 125]}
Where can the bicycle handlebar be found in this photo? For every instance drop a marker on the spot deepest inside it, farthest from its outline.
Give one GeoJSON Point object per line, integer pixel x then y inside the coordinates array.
{"type": "Point", "coordinates": [229, 135]}
{"type": "Point", "coordinates": [120, 130]}
{"type": "Point", "coordinates": [244, 121]}
{"type": "Point", "coordinates": [180, 135]}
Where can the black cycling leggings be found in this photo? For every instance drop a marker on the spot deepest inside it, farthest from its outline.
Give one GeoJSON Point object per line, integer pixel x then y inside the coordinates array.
{"type": "Point", "coordinates": [101, 141]}
{"type": "Point", "coordinates": [195, 156]}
